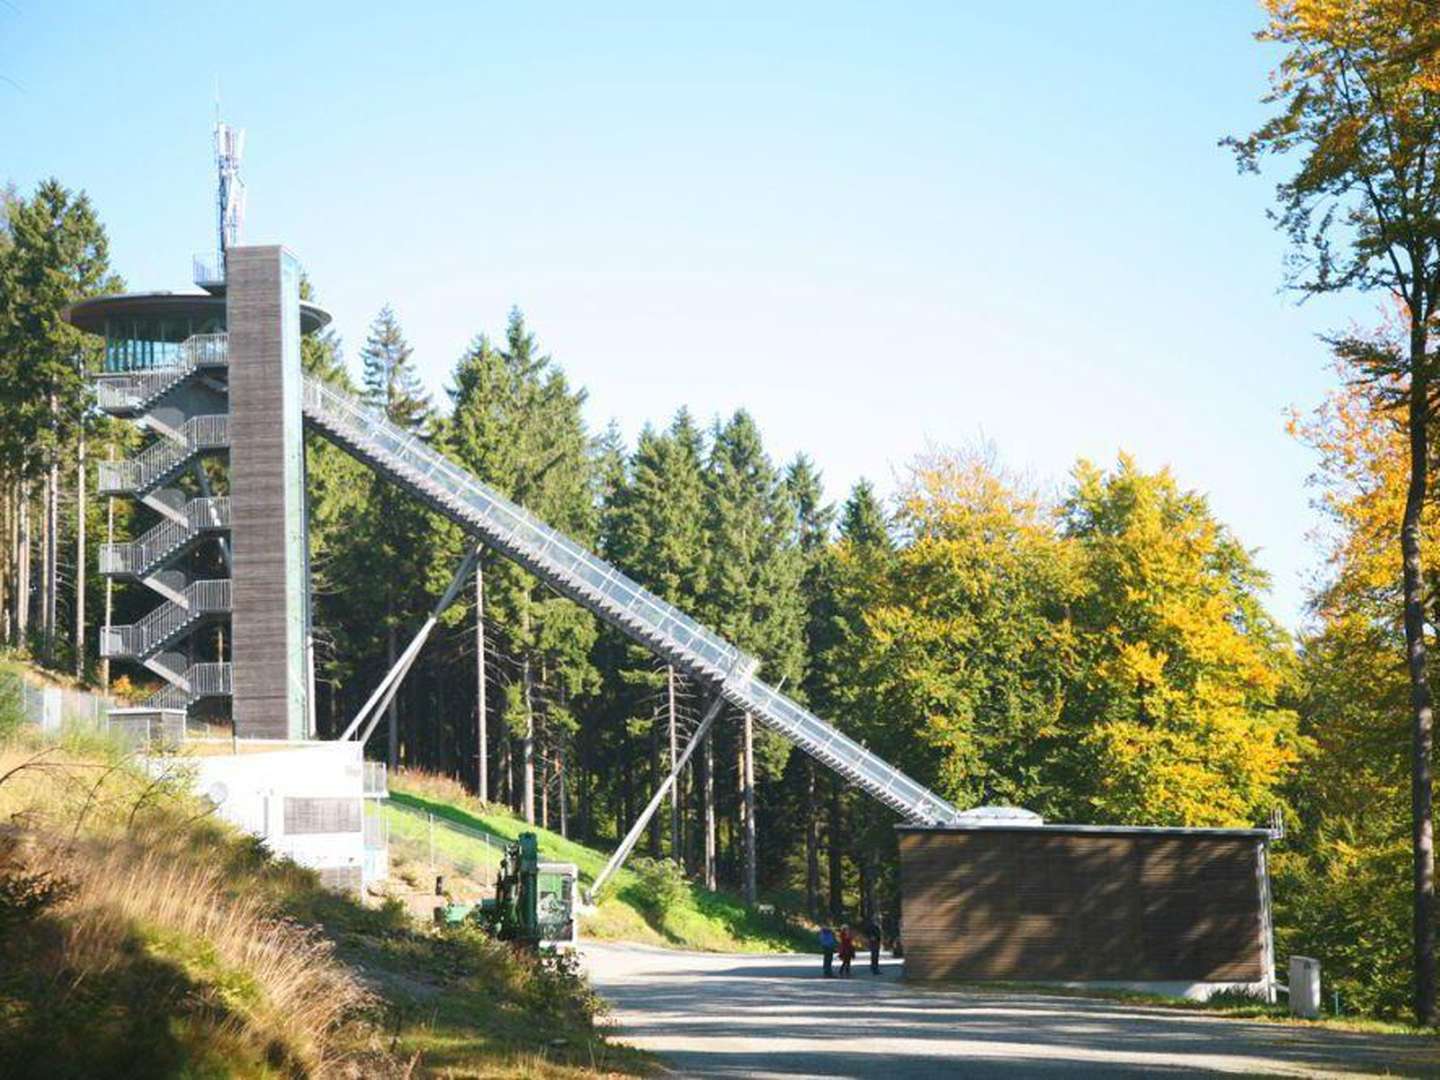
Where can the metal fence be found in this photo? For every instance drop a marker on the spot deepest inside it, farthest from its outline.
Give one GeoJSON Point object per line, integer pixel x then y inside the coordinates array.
{"type": "Point", "coordinates": [55, 711]}
{"type": "Point", "coordinates": [442, 846]}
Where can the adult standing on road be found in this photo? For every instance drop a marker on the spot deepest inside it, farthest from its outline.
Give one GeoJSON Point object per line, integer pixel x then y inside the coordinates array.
{"type": "Point", "coordinates": [827, 948]}
{"type": "Point", "coordinates": [847, 950]}
{"type": "Point", "coordinates": [872, 932]}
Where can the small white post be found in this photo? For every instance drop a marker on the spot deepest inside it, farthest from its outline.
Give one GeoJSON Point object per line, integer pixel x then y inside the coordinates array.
{"type": "Point", "coordinates": [1305, 987]}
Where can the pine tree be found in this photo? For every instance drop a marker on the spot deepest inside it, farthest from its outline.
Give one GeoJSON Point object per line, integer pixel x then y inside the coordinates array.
{"type": "Point", "coordinates": [399, 548]}
{"type": "Point", "coordinates": [753, 595]}
{"type": "Point", "coordinates": [54, 251]}
{"type": "Point", "coordinates": [518, 425]}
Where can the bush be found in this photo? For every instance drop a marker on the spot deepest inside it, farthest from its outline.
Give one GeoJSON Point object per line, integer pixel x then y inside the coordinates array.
{"type": "Point", "coordinates": [660, 884]}
{"type": "Point", "coordinates": [1342, 903]}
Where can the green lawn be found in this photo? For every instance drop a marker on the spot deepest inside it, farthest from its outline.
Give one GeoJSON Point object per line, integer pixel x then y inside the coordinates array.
{"type": "Point", "coordinates": [688, 917]}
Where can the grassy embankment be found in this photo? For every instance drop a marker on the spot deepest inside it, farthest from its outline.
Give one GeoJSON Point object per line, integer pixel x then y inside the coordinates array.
{"type": "Point", "coordinates": [139, 936]}
{"type": "Point", "coordinates": [644, 904]}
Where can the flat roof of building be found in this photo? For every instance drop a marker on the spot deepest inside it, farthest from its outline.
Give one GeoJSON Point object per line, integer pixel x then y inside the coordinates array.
{"type": "Point", "coordinates": [1098, 830]}
{"type": "Point", "coordinates": [90, 315]}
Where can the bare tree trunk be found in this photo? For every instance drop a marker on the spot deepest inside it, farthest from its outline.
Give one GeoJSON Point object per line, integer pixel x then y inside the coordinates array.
{"type": "Point", "coordinates": [110, 581]}
{"type": "Point", "coordinates": [47, 565]}
{"type": "Point", "coordinates": [528, 744]}
{"type": "Point", "coordinates": [22, 577]}
{"type": "Point", "coordinates": [677, 850]}
{"type": "Point", "coordinates": [7, 564]}
{"type": "Point", "coordinates": [1421, 782]}
{"type": "Point", "coordinates": [52, 537]}
{"type": "Point", "coordinates": [812, 843]}
{"type": "Point", "coordinates": [587, 832]}
{"type": "Point", "coordinates": [482, 734]}
{"type": "Point", "coordinates": [80, 559]}
{"type": "Point", "coordinates": [709, 796]}
{"type": "Point", "coordinates": [872, 885]}
{"type": "Point", "coordinates": [560, 794]}
{"type": "Point", "coordinates": [654, 829]}
{"type": "Point", "coordinates": [507, 768]}
{"type": "Point", "coordinates": [751, 889]}
{"type": "Point", "coordinates": [626, 785]}
{"type": "Point", "coordinates": [837, 853]}
{"type": "Point", "coordinates": [393, 745]}
{"type": "Point", "coordinates": [544, 790]}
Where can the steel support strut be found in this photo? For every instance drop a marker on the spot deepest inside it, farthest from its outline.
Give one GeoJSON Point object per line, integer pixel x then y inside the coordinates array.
{"type": "Point", "coordinates": [623, 851]}
{"type": "Point", "coordinates": [375, 707]}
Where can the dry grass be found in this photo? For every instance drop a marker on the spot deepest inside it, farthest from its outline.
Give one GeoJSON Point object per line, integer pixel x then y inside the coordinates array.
{"type": "Point", "coordinates": [142, 898]}
{"type": "Point", "coordinates": [138, 937]}
{"type": "Point", "coordinates": [274, 976]}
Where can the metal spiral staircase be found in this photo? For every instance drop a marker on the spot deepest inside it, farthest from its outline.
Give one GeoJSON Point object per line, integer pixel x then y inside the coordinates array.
{"type": "Point", "coordinates": [600, 588]}
{"type": "Point", "coordinates": [157, 640]}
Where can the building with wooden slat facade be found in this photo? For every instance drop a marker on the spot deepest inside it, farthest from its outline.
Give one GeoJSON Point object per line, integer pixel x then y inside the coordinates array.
{"type": "Point", "coordinates": [1183, 911]}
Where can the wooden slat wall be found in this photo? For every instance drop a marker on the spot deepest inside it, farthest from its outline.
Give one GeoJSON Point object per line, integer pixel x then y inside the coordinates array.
{"type": "Point", "coordinates": [260, 632]}
{"type": "Point", "coordinates": [1036, 904]}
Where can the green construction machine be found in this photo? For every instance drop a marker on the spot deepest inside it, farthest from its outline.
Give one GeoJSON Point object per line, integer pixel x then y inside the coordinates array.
{"type": "Point", "coordinates": [534, 902]}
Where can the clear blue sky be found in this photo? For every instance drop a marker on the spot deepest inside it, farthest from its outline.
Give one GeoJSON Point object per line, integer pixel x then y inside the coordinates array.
{"type": "Point", "coordinates": [878, 227]}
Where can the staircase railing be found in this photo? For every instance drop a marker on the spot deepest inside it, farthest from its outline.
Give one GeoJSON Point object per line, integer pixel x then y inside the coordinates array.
{"type": "Point", "coordinates": [126, 393]}
{"type": "Point", "coordinates": [162, 457]}
{"type": "Point", "coordinates": [142, 555]}
{"type": "Point", "coordinates": [151, 633]}
{"type": "Point", "coordinates": [206, 680]}
{"type": "Point", "coordinates": [604, 590]}
{"type": "Point", "coordinates": [524, 536]}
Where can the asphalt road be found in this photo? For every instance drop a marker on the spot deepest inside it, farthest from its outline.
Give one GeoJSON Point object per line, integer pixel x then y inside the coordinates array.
{"type": "Point", "coordinates": [773, 1016]}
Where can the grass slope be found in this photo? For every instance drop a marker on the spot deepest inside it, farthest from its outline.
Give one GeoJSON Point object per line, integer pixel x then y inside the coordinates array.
{"type": "Point", "coordinates": [139, 936]}
{"type": "Point", "coordinates": [645, 907]}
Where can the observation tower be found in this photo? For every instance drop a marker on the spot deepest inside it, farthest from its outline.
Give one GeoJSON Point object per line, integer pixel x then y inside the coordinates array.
{"type": "Point", "coordinates": [213, 378]}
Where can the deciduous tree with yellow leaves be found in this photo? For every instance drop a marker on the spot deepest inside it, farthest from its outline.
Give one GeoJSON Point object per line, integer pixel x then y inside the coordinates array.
{"type": "Point", "coordinates": [1104, 657]}
{"type": "Point", "coordinates": [1178, 707]}
{"type": "Point", "coordinates": [1358, 96]}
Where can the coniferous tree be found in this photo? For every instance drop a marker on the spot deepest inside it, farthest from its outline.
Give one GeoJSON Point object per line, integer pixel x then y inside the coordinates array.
{"type": "Point", "coordinates": [753, 596]}
{"type": "Point", "coordinates": [814, 519]}
{"type": "Point", "coordinates": [655, 532]}
{"type": "Point", "coordinates": [53, 251]}
{"type": "Point", "coordinates": [519, 426]}
{"type": "Point", "coordinates": [397, 553]}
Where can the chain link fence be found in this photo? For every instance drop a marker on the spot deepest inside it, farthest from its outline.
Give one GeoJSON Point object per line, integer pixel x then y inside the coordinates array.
{"type": "Point", "coordinates": [467, 858]}
{"type": "Point", "coordinates": [55, 711]}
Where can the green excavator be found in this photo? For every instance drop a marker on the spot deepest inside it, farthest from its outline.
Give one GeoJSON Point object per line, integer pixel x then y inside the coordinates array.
{"type": "Point", "coordinates": [534, 902]}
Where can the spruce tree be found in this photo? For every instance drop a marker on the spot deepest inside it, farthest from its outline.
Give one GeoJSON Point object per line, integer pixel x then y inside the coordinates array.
{"type": "Point", "coordinates": [399, 546]}
{"type": "Point", "coordinates": [753, 595]}
{"type": "Point", "coordinates": [518, 425]}
{"type": "Point", "coordinates": [391, 382]}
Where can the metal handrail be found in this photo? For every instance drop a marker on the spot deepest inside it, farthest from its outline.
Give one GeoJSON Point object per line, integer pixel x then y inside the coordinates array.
{"type": "Point", "coordinates": [206, 680]}
{"type": "Point", "coordinates": [155, 629]}
{"type": "Point", "coordinates": [133, 389]}
{"type": "Point", "coordinates": [208, 269]}
{"type": "Point", "coordinates": [137, 556]}
{"type": "Point", "coordinates": [612, 595]}
{"type": "Point", "coordinates": [164, 455]}
{"type": "Point", "coordinates": [539, 542]}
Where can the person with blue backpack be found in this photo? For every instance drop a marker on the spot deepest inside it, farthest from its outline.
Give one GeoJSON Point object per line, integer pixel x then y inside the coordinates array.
{"type": "Point", "coordinates": [828, 941]}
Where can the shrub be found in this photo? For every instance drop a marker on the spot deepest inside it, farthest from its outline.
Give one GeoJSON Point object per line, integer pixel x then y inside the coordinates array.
{"type": "Point", "coordinates": [660, 884]}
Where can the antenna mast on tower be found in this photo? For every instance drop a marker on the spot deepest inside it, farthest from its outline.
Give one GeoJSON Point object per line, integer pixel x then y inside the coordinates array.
{"type": "Point", "coordinates": [229, 146]}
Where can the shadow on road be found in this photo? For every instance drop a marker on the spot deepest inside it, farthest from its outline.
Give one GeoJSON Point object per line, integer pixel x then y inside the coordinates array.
{"type": "Point", "coordinates": [728, 1016]}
